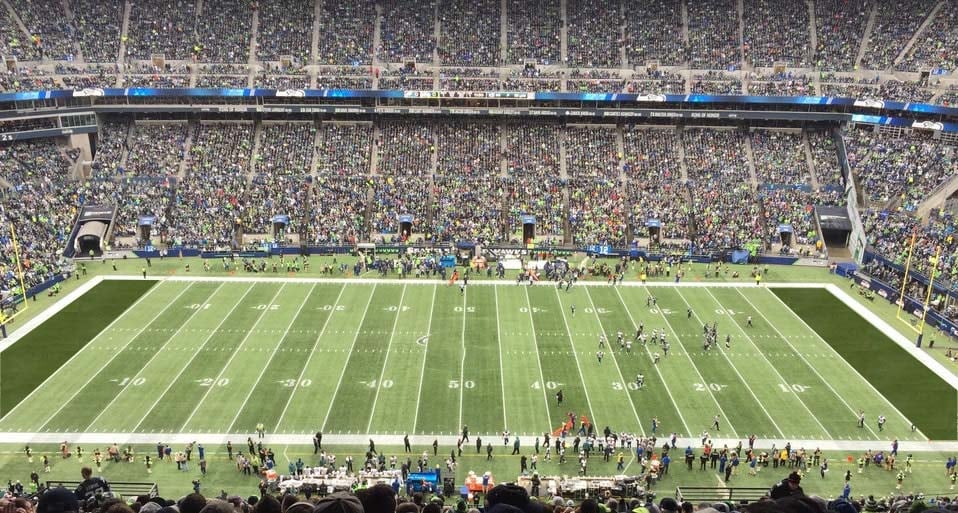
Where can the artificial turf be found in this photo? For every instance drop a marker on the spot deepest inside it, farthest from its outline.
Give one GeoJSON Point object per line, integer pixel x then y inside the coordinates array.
{"type": "Point", "coordinates": [33, 358]}
{"type": "Point", "coordinates": [888, 367]}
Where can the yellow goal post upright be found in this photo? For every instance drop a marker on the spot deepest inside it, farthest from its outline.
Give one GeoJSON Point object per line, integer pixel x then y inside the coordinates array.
{"type": "Point", "coordinates": [917, 325]}
{"type": "Point", "coordinates": [4, 318]}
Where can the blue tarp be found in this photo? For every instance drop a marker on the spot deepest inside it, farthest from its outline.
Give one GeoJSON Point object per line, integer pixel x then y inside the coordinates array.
{"type": "Point", "coordinates": [739, 256]}
{"type": "Point", "coordinates": [846, 268]}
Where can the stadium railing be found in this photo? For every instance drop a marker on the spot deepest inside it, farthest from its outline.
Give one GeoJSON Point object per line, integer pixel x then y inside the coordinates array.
{"type": "Point", "coordinates": [123, 488]}
{"type": "Point", "coordinates": [713, 493]}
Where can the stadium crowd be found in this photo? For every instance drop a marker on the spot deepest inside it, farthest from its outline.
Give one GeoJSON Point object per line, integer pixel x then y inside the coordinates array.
{"type": "Point", "coordinates": [723, 202]}
{"type": "Point", "coordinates": [596, 202]}
{"type": "Point", "coordinates": [894, 26]}
{"type": "Point", "coordinates": [534, 184]}
{"type": "Point", "coordinates": [776, 31]}
{"type": "Point", "coordinates": [708, 46]}
{"type": "Point", "coordinates": [41, 206]}
{"type": "Point", "coordinates": [900, 170]}
{"type": "Point", "coordinates": [205, 184]}
{"type": "Point", "coordinates": [473, 181]}
{"type": "Point", "coordinates": [655, 184]}
{"type": "Point", "coordinates": [653, 31]}
{"type": "Point", "coordinates": [209, 199]}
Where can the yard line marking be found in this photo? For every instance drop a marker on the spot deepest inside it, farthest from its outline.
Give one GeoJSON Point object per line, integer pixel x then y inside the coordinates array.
{"type": "Point", "coordinates": [687, 356]}
{"type": "Point", "coordinates": [502, 382]}
{"type": "Point", "coordinates": [840, 396]}
{"type": "Point", "coordinates": [110, 360]}
{"type": "Point", "coordinates": [542, 377]}
{"type": "Point", "coordinates": [422, 368]}
{"type": "Point", "coordinates": [271, 356]}
{"type": "Point", "coordinates": [88, 345]}
{"type": "Point", "coordinates": [773, 367]}
{"type": "Point", "coordinates": [156, 352]}
{"type": "Point", "coordinates": [625, 388]}
{"type": "Point", "coordinates": [576, 357]}
{"type": "Point", "coordinates": [382, 372]}
{"type": "Point", "coordinates": [342, 373]}
{"type": "Point", "coordinates": [739, 374]}
{"type": "Point", "coordinates": [184, 367]}
{"type": "Point", "coordinates": [462, 361]}
{"type": "Point", "coordinates": [289, 400]}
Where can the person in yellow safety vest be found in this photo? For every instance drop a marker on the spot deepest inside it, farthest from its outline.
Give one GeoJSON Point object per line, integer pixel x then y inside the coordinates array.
{"type": "Point", "coordinates": [758, 278]}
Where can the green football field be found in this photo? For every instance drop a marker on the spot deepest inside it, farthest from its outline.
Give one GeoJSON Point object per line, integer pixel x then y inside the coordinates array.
{"type": "Point", "coordinates": [210, 358]}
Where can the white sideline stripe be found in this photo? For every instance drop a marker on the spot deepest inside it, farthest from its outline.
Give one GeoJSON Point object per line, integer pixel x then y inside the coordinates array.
{"type": "Point", "coordinates": [362, 439]}
{"type": "Point", "coordinates": [481, 283]}
{"type": "Point", "coordinates": [933, 365]}
{"type": "Point", "coordinates": [737, 373]}
{"type": "Point", "coordinates": [850, 366]}
{"type": "Point", "coordinates": [42, 317]}
{"type": "Point", "coordinates": [54, 309]}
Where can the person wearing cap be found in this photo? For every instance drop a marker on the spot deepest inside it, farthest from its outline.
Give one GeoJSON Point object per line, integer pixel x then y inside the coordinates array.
{"type": "Point", "coordinates": [58, 500]}
{"type": "Point", "coordinates": [339, 502]}
{"type": "Point", "coordinates": [512, 499]}
{"type": "Point", "coordinates": [789, 487]}
{"type": "Point", "coordinates": [668, 505]}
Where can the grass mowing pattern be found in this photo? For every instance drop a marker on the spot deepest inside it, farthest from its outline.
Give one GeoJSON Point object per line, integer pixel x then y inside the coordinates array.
{"type": "Point", "coordinates": [21, 368]}
{"type": "Point", "coordinates": [921, 395]}
{"type": "Point", "coordinates": [220, 357]}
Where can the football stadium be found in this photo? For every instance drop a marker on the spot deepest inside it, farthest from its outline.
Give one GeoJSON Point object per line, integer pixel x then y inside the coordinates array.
{"type": "Point", "coordinates": [505, 256]}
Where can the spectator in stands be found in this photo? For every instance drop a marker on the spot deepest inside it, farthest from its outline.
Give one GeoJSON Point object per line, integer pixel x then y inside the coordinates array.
{"type": "Point", "coordinates": [58, 500]}
{"type": "Point", "coordinates": [788, 487]}
{"type": "Point", "coordinates": [378, 498]}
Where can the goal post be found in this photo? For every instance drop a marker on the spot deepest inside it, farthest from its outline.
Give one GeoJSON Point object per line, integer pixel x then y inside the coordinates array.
{"type": "Point", "coordinates": [931, 288]}
{"type": "Point", "coordinates": [904, 281]}
{"type": "Point", "coordinates": [916, 320]}
{"type": "Point", "coordinates": [4, 318]}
